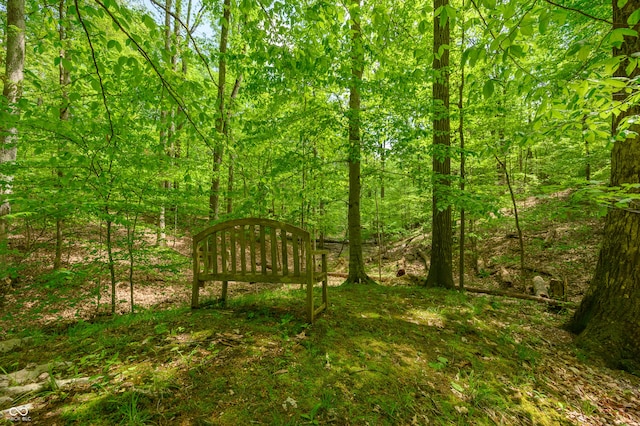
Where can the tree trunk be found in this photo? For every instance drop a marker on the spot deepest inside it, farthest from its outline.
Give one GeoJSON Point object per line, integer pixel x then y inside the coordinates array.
{"type": "Point", "coordinates": [214, 194]}
{"type": "Point", "coordinates": [462, 161]}
{"type": "Point", "coordinates": [165, 131]}
{"type": "Point", "coordinates": [441, 271]}
{"type": "Point", "coordinates": [357, 272]}
{"type": "Point", "coordinates": [226, 132]}
{"type": "Point", "coordinates": [65, 81]}
{"type": "Point", "coordinates": [587, 153]}
{"type": "Point", "coordinates": [12, 92]}
{"type": "Point", "coordinates": [507, 177]}
{"type": "Point", "coordinates": [112, 267]}
{"type": "Point", "coordinates": [608, 319]}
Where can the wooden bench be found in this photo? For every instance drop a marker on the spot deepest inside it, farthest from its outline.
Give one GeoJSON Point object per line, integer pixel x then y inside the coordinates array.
{"type": "Point", "coordinates": [258, 250]}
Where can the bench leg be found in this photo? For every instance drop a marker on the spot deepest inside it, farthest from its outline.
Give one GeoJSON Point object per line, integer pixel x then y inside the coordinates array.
{"type": "Point", "coordinates": [325, 282]}
{"type": "Point", "coordinates": [195, 293]}
{"type": "Point", "coordinates": [310, 313]}
{"type": "Point", "coordinates": [223, 299]}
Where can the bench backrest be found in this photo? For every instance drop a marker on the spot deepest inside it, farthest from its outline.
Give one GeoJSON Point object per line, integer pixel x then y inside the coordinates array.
{"type": "Point", "coordinates": [260, 250]}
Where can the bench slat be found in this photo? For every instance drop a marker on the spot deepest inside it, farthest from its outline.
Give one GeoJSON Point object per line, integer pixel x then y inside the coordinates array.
{"type": "Point", "coordinates": [296, 257]}
{"type": "Point", "coordinates": [243, 251]}
{"type": "Point", "coordinates": [223, 250]}
{"type": "Point", "coordinates": [263, 251]}
{"type": "Point", "coordinates": [232, 239]}
{"type": "Point", "coordinates": [214, 254]}
{"type": "Point", "coordinates": [252, 247]}
{"type": "Point", "coordinates": [274, 252]}
{"type": "Point", "coordinates": [285, 254]}
{"type": "Point", "coordinates": [205, 256]}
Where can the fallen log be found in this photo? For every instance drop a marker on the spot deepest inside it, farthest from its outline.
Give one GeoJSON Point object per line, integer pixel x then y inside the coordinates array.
{"type": "Point", "coordinates": [345, 275]}
{"type": "Point", "coordinates": [515, 295]}
{"type": "Point", "coordinates": [338, 274]}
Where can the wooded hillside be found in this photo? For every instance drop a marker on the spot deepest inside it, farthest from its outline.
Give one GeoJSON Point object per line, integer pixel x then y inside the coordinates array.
{"type": "Point", "coordinates": [455, 143]}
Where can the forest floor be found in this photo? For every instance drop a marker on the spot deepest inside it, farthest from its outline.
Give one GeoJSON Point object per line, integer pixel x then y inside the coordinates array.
{"type": "Point", "coordinates": [394, 353]}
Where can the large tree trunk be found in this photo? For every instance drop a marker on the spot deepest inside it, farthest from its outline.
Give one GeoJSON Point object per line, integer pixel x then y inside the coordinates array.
{"type": "Point", "coordinates": [12, 92]}
{"type": "Point", "coordinates": [226, 131]}
{"type": "Point", "coordinates": [608, 319]}
{"type": "Point", "coordinates": [65, 81]}
{"type": "Point", "coordinates": [462, 161]}
{"type": "Point", "coordinates": [214, 193]}
{"type": "Point", "coordinates": [441, 271]}
{"type": "Point", "coordinates": [165, 130]}
{"type": "Point", "coordinates": [357, 273]}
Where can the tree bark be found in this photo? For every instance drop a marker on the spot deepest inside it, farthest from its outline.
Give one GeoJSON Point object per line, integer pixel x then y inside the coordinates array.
{"type": "Point", "coordinates": [65, 81]}
{"type": "Point", "coordinates": [226, 131]}
{"type": "Point", "coordinates": [357, 272]}
{"type": "Point", "coordinates": [608, 319]}
{"type": "Point", "coordinates": [462, 161]}
{"type": "Point", "coordinates": [12, 92]}
{"type": "Point", "coordinates": [165, 131]}
{"type": "Point", "coordinates": [441, 271]}
{"type": "Point", "coordinates": [214, 194]}
{"type": "Point", "coordinates": [507, 177]}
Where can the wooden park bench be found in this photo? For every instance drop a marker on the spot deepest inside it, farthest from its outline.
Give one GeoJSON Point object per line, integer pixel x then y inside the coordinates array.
{"type": "Point", "coordinates": [258, 250]}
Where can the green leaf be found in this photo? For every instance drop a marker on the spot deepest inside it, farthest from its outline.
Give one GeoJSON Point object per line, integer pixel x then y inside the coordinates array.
{"type": "Point", "coordinates": [487, 89]}
{"type": "Point", "coordinates": [457, 387]}
{"type": "Point", "coordinates": [516, 50]}
{"type": "Point", "coordinates": [74, 97]}
{"type": "Point", "coordinates": [543, 24]}
{"type": "Point", "coordinates": [634, 18]}
{"type": "Point", "coordinates": [560, 16]}
{"type": "Point", "coordinates": [66, 64]}
{"type": "Point", "coordinates": [96, 85]}
{"type": "Point", "coordinates": [423, 26]}
{"type": "Point", "coordinates": [581, 88]}
{"type": "Point", "coordinates": [612, 64]}
{"type": "Point", "coordinates": [616, 83]}
{"type": "Point", "coordinates": [509, 10]}
{"type": "Point", "coordinates": [526, 30]}
{"type": "Point", "coordinates": [149, 22]}
{"type": "Point", "coordinates": [633, 64]}
{"type": "Point", "coordinates": [574, 49]}
{"type": "Point", "coordinates": [622, 3]}
{"type": "Point", "coordinates": [444, 17]}
{"type": "Point", "coordinates": [114, 44]}
{"type": "Point", "coordinates": [617, 35]}
{"type": "Point", "coordinates": [584, 52]}
{"type": "Point", "coordinates": [489, 4]}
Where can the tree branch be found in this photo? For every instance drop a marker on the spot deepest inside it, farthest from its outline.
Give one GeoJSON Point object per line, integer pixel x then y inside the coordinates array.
{"type": "Point", "coordinates": [95, 64]}
{"type": "Point", "coordinates": [572, 9]}
{"type": "Point", "coordinates": [195, 45]}
{"type": "Point", "coordinates": [164, 82]}
{"type": "Point", "coordinates": [517, 64]}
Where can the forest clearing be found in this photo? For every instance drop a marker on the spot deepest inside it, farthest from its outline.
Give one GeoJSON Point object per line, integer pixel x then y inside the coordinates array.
{"type": "Point", "coordinates": [394, 353]}
{"type": "Point", "coordinates": [311, 212]}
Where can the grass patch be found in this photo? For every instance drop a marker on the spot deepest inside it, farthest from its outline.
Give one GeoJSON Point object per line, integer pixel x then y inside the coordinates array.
{"type": "Point", "coordinates": [380, 355]}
